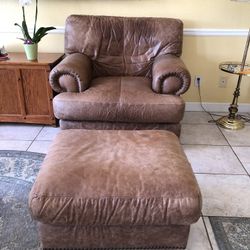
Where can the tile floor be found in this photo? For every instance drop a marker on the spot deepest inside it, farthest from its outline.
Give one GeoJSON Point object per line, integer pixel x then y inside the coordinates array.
{"type": "Point", "coordinates": [219, 157]}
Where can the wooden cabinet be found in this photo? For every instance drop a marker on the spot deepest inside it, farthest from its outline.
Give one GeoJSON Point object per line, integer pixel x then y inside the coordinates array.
{"type": "Point", "coordinates": [25, 93]}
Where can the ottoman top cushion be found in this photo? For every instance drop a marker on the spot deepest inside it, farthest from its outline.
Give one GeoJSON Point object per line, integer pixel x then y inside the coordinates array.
{"type": "Point", "coordinates": [115, 177]}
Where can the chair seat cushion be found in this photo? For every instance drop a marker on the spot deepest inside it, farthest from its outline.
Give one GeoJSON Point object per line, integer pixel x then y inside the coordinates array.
{"type": "Point", "coordinates": [119, 99]}
{"type": "Point", "coordinates": [115, 177]}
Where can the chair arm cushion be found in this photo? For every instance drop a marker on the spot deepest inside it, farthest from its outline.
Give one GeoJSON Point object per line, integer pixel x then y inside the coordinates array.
{"type": "Point", "coordinates": [170, 75]}
{"type": "Point", "coordinates": [72, 74]}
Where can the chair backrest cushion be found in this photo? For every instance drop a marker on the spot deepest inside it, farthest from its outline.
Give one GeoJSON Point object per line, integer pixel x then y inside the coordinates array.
{"type": "Point", "coordinates": [123, 45]}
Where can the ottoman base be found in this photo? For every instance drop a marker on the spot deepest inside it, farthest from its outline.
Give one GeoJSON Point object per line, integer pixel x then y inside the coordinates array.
{"type": "Point", "coordinates": [114, 237]}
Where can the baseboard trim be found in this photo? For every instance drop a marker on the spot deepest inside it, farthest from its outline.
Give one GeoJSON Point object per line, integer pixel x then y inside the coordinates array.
{"type": "Point", "coordinates": [215, 32]}
{"type": "Point", "coordinates": [215, 107]}
{"type": "Point", "coordinates": [187, 31]}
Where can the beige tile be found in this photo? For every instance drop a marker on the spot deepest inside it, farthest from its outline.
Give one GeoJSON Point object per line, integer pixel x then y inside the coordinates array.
{"type": "Point", "coordinates": [14, 145]}
{"type": "Point", "coordinates": [247, 123]}
{"type": "Point", "coordinates": [225, 195]}
{"type": "Point", "coordinates": [201, 134]}
{"type": "Point", "coordinates": [217, 115]}
{"type": "Point", "coordinates": [211, 234]}
{"type": "Point", "coordinates": [48, 133]}
{"type": "Point", "coordinates": [247, 167]}
{"type": "Point", "coordinates": [19, 132]}
{"type": "Point", "coordinates": [198, 238]}
{"type": "Point", "coordinates": [244, 155]}
{"type": "Point", "coordinates": [213, 159]}
{"type": "Point", "coordinates": [238, 137]}
{"type": "Point", "coordinates": [247, 116]}
{"type": "Point", "coordinates": [196, 118]}
{"type": "Point", "coordinates": [40, 146]}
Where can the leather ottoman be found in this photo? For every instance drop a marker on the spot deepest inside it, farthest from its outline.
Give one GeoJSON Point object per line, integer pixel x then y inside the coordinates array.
{"type": "Point", "coordinates": [115, 189]}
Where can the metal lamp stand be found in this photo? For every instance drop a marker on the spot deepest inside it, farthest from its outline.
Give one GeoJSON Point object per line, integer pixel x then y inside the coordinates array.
{"type": "Point", "coordinates": [232, 120]}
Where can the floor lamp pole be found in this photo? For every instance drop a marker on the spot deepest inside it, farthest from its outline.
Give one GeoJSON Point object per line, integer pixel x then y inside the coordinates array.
{"type": "Point", "coordinates": [233, 121]}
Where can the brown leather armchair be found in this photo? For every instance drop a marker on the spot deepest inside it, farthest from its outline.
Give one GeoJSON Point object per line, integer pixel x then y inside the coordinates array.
{"type": "Point", "coordinates": [121, 73]}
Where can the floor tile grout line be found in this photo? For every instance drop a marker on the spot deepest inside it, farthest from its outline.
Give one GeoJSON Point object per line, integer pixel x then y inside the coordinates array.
{"type": "Point", "coordinates": [228, 145]}
{"type": "Point", "coordinates": [212, 119]}
{"type": "Point", "coordinates": [233, 151]}
{"type": "Point", "coordinates": [27, 140]}
{"type": "Point", "coordinates": [196, 144]}
{"type": "Point", "coordinates": [222, 174]}
{"type": "Point", "coordinates": [15, 140]}
{"type": "Point", "coordinates": [220, 129]}
{"type": "Point", "coordinates": [199, 123]}
{"type": "Point", "coordinates": [44, 140]}
{"type": "Point", "coordinates": [240, 161]}
{"type": "Point", "coordinates": [235, 154]}
{"type": "Point", "coordinates": [208, 123]}
{"type": "Point", "coordinates": [226, 216]}
{"type": "Point", "coordinates": [210, 145]}
{"type": "Point", "coordinates": [215, 125]}
{"type": "Point", "coordinates": [208, 237]}
{"type": "Point", "coordinates": [35, 137]}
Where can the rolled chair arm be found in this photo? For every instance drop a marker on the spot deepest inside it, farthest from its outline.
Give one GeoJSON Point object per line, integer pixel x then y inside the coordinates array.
{"type": "Point", "coordinates": [170, 75]}
{"type": "Point", "coordinates": [72, 74]}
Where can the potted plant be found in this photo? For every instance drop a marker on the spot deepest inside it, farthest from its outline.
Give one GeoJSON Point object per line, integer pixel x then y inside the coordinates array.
{"type": "Point", "coordinates": [31, 43]}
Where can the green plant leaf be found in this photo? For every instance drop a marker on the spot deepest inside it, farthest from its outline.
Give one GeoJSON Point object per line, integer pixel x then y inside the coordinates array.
{"type": "Point", "coordinates": [16, 24]}
{"type": "Point", "coordinates": [41, 32]}
{"type": "Point", "coordinates": [21, 39]}
{"type": "Point", "coordinates": [25, 30]}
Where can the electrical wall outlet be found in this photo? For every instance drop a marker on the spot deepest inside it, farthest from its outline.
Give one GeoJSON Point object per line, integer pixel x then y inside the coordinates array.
{"type": "Point", "coordinates": [223, 82]}
{"type": "Point", "coordinates": [197, 81]}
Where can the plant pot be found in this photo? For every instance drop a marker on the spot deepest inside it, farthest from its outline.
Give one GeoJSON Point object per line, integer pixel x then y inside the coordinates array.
{"type": "Point", "coordinates": [31, 51]}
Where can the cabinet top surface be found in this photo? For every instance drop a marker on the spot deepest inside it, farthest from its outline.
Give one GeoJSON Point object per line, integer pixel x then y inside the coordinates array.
{"type": "Point", "coordinates": [43, 59]}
